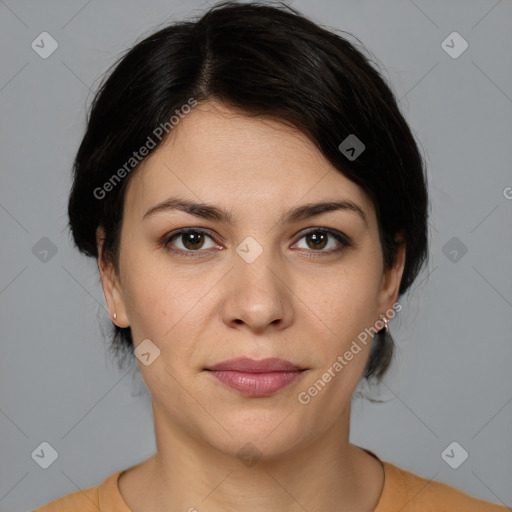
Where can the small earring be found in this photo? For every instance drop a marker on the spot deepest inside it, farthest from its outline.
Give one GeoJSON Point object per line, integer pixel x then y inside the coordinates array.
{"type": "Point", "coordinates": [385, 320]}
{"type": "Point", "coordinates": [115, 316]}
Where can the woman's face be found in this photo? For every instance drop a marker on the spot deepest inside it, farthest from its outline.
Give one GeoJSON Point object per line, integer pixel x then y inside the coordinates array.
{"type": "Point", "coordinates": [256, 285]}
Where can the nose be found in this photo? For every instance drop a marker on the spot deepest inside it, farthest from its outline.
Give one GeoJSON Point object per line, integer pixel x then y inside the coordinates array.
{"type": "Point", "coordinates": [258, 296]}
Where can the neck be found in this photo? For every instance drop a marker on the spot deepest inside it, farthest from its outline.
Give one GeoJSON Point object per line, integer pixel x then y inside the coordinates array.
{"type": "Point", "coordinates": [187, 474]}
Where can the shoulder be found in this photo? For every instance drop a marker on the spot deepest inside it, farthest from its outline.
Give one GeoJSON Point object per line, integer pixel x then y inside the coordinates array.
{"type": "Point", "coordinates": [411, 492]}
{"type": "Point", "coordinates": [84, 500]}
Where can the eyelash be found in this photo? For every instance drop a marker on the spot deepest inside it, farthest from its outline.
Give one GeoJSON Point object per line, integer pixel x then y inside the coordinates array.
{"type": "Point", "coordinates": [342, 239]}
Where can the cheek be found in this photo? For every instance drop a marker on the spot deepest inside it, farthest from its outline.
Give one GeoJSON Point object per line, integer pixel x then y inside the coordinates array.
{"type": "Point", "coordinates": [347, 298]}
{"type": "Point", "coordinates": [163, 305]}
{"type": "Point", "coordinates": [346, 307]}
{"type": "Point", "coordinates": [159, 310]}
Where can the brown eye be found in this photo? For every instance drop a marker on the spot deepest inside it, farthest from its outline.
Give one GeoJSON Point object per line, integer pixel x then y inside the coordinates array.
{"type": "Point", "coordinates": [319, 239]}
{"type": "Point", "coordinates": [188, 240]}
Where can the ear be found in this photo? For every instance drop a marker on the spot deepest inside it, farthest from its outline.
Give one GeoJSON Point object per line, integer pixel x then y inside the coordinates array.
{"type": "Point", "coordinates": [111, 284]}
{"type": "Point", "coordinates": [390, 283]}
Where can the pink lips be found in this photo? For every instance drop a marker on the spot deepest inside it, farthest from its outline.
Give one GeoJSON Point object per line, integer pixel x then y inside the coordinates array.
{"type": "Point", "coordinates": [256, 378]}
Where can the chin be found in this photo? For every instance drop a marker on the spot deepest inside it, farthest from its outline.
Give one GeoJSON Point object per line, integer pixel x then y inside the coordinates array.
{"type": "Point", "coordinates": [250, 448]}
{"type": "Point", "coordinates": [263, 435]}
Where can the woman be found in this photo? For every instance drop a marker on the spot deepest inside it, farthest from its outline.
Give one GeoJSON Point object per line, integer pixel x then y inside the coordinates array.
{"type": "Point", "coordinates": [257, 205]}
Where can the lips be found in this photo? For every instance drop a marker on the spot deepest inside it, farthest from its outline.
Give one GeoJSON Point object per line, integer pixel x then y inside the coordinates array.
{"type": "Point", "coordinates": [256, 378]}
{"type": "Point", "coordinates": [245, 364]}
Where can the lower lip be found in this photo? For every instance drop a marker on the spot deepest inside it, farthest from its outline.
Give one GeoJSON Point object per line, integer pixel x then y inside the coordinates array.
{"type": "Point", "coordinates": [256, 384]}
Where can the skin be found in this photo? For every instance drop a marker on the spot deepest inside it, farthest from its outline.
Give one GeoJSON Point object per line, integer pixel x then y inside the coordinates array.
{"type": "Point", "coordinates": [214, 306]}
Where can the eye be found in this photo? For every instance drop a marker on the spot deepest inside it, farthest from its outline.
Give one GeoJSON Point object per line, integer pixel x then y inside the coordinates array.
{"type": "Point", "coordinates": [317, 239]}
{"type": "Point", "coordinates": [188, 240]}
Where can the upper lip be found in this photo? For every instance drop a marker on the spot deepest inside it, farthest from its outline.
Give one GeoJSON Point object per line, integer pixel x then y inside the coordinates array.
{"type": "Point", "coordinates": [245, 364]}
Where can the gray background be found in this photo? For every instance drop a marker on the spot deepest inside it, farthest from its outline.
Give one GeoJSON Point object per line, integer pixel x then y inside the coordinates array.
{"type": "Point", "coordinates": [450, 380]}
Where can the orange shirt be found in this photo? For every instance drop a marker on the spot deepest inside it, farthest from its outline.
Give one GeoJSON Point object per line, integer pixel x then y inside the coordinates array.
{"type": "Point", "coordinates": [403, 491]}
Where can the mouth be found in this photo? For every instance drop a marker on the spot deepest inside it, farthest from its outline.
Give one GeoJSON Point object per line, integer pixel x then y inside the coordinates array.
{"type": "Point", "coordinates": [256, 378]}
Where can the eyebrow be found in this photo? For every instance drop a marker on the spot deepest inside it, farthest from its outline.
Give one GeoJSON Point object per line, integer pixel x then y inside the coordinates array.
{"type": "Point", "coordinates": [210, 212]}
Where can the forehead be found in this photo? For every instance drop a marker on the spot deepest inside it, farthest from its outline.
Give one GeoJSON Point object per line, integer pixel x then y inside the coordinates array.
{"type": "Point", "coordinates": [218, 155]}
